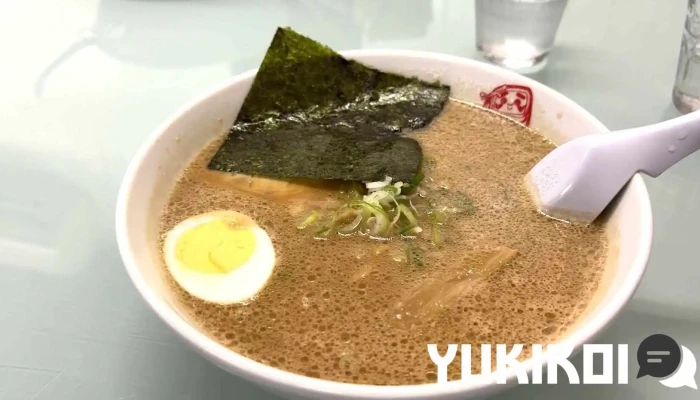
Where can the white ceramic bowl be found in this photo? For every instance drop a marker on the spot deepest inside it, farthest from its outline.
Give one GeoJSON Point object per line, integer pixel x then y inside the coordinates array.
{"type": "Point", "coordinates": [160, 160]}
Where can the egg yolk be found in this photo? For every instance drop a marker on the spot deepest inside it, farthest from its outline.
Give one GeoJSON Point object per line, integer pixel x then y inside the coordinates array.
{"type": "Point", "coordinates": [216, 247]}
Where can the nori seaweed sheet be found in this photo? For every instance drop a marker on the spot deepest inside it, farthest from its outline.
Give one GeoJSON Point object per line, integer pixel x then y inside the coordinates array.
{"type": "Point", "coordinates": [310, 113]}
{"type": "Point", "coordinates": [325, 154]}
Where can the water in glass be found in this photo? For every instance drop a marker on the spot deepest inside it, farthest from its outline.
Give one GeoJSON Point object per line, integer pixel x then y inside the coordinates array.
{"type": "Point", "coordinates": [686, 91]}
{"type": "Point", "coordinates": [517, 34]}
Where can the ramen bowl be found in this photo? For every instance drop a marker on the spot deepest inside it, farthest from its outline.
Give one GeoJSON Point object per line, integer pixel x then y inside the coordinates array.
{"type": "Point", "coordinates": [158, 163]}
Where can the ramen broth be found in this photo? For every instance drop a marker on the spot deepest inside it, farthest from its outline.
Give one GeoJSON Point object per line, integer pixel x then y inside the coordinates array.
{"type": "Point", "coordinates": [358, 310]}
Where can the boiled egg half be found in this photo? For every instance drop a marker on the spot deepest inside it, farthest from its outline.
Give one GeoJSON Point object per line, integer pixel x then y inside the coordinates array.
{"type": "Point", "coordinates": [222, 257]}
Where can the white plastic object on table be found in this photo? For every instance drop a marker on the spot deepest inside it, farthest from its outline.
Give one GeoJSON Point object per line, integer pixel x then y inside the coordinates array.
{"type": "Point", "coordinates": [577, 180]}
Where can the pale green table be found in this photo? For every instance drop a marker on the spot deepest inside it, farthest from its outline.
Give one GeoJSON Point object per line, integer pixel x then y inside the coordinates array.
{"type": "Point", "coordinates": [83, 82]}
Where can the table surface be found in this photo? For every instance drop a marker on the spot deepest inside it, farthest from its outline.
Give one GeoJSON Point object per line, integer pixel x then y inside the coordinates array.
{"type": "Point", "coordinates": [83, 83]}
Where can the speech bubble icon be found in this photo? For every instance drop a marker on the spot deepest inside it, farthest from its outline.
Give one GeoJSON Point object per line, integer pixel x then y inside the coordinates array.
{"type": "Point", "coordinates": [685, 376]}
{"type": "Point", "coordinates": [658, 356]}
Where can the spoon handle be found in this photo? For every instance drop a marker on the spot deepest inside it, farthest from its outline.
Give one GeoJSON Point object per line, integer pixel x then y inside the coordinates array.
{"type": "Point", "coordinates": [655, 148]}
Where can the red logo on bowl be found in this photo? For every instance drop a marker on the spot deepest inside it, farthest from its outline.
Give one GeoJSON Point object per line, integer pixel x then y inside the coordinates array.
{"type": "Point", "coordinates": [513, 101]}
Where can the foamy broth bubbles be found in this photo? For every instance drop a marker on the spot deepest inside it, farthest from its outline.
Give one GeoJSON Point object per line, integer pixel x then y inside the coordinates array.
{"type": "Point", "coordinates": [329, 308]}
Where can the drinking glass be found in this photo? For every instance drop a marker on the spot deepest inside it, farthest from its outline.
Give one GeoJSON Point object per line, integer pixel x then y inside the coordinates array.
{"type": "Point", "coordinates": [686, 91]}
{"type": "Point", "coordinates": [517, 34]}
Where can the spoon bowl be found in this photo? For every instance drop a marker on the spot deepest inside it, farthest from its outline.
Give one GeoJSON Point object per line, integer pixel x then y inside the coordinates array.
{"type": "Point", "coordinates": [577, 181]}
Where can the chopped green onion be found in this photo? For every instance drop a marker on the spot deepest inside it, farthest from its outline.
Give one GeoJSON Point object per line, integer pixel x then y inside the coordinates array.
{"type": "Point", "coordinates": [387, 201]}
{"type": "Point", "coordinates": [409, 215]}
{"type": "Point", "coordinates": [410, 231]}
{"type": "Point", "coordinates": [439, 217]}
{"type": "Point", "coordinates": [436, 235]}
{"type": "Point", "coordinates": [349, 228]}
{"type": "Point", "coordinates": [323, 233]}
{"type": "Point", "coordinates": [366, 213]}
{"type": "Point", "coordinates": [367, 206]}
{"type": "Point", "coordinates": [414, 256]}
{"type": "Point", "coordinates": [391, 189]}
{"type": "Point", "coordinates": [413, 207]}
{"type": "Point", "coordinates": [378, 184]}
{"type": "Point", "coordinates": [417, 178]}
{"type": "Point", "coordinates": [405, 230]}
{"type": "Point", "coordinates": [308, 220]}
{"type": "Point", "coordinates": [395, 219]}
{"type": "Point", "coordinates": [381, 219]}
{"type": "Point", "coordinates": [375, 198]}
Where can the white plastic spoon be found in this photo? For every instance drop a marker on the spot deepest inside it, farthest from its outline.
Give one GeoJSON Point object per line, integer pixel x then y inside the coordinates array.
{"type": "Point", "coordinates": [577, 180]}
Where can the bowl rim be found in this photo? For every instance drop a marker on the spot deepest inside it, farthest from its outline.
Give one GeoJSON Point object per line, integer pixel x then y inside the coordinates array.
{"type": "Point", "coordinates": [274, 377]}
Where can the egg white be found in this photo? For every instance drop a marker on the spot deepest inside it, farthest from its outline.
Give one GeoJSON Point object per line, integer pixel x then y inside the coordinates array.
{"type": "Point", "coordinates": [237, 286]}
